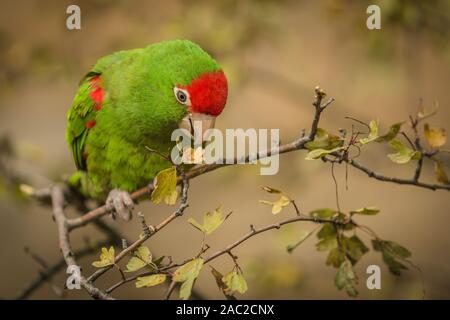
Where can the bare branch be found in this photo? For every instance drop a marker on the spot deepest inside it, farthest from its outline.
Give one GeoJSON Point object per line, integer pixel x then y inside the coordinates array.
{"type": "Point", "coordinates": [64, 242]}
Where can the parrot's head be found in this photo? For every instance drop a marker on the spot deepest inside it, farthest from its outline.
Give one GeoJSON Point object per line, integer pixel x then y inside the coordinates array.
{"type": "Point", "coordinates": [204, 99]}
{"type": "Point", "coordinates": [172, 84]}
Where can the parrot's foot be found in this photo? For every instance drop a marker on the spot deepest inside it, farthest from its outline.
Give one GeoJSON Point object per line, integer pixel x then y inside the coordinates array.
{"type": "Point", "coordinates": [120, 202]}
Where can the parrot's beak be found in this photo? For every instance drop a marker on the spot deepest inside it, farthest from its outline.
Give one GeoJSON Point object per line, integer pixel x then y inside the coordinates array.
{"type": "Point", "coordinates": [194, 122]}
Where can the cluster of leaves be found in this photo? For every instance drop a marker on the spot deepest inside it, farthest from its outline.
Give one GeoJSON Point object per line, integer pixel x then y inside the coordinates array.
{"type": "Point", "coordinates": [345, 248]}
{"type": "Point", "coordinates": [338, 237]}
{"type": "Point", "coordinates": [326, 143]}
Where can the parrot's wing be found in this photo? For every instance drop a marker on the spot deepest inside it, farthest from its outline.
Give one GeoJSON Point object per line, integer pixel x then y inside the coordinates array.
{"type": "Point", "coordinates": [81, 116]}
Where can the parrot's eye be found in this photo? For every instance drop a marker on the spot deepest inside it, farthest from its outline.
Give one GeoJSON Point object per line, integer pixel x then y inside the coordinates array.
{"type": "Point", "coordinates": [182, 96]}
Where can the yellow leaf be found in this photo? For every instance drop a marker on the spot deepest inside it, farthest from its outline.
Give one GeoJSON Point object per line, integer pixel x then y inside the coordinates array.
{"type": "Point", "coordinates": [187, 274]}
{"type": "Point", "coordinates": [165, 187]}
{"type": "Point", "coordinates": [186, 288]}
{"type": "Point", "coordinates": [107, 258]}
{"type": "Point", "coordinates": [211, 221]}
{"type": "Point", "coordinates": [190, 269]}
{"type": "Point", "coordinates": [222, 286]}
{"type": "Point", "coordinates": [235, 282]}
{"type": "Point", "coordinates": [373, 134]}
{"type": "Point", "coordinates": [441, 176]}
{"type": "Point", "coordinates": [142, 257]}
{"type": "Point", "coordinates": [435, 137]}
{"type": "Point", "coordinates": [278, 205]}
{"type": "Point", "coordinates": [404, 154]}
{"type": "Point", "coordinates": [150, 281]}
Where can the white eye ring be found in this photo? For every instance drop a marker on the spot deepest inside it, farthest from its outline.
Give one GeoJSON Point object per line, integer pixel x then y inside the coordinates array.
{"type": "Point", "coordinates": [182, 96]}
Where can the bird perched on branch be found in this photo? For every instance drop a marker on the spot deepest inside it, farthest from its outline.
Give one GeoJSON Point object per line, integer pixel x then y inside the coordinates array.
{"type": "Point", "coordinates": [133, 100]}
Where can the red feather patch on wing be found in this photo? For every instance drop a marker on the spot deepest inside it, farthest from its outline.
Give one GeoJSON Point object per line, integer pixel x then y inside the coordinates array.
{"type": "Point", "coordinates": [97, 92]}
{"type": "Point", "coordinates": [90, 124]}
{"type": "Point", "coordinates": [208, 93]}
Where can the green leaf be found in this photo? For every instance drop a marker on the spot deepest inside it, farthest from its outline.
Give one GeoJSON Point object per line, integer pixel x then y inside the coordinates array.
{"type": "Point", "coordinates": [187, 274]}
{"type": "Point", "coordinates": [303, 235]}
{"type": "Point", "coordinates": [326, 244]}
{"type": "Point", "coordinates": [319, 153]}
{"type": "Point", "coordinates": [211, 221]}
{"type": "Point", "coordinates": [393, 255]}
{"type": "Point", "coordinates": [235, 281]}
{"type": "Point", "coordinates": [335, 257]}
{"type": "Point", "coordinates": [435, 137]}
{"type": "Point", "coordinates": [324, 213]}
{"type": "Point", "coordinates": [373, 134]}
{"type": "Point", "coordinates": [278, 205]}
{"type": "Point", "coordinates": [368, 211]}
{"type": "Point", "coordinates": [142, 257]}
{"type": "Point", "coordinates": [441, 176]}
{"type": "Point", "coordinates": [404, 154]}
{"type": "Point", "coordinates": [395, 266]}
{"type": "Point", "coordinates": [222, 286]}
{"type": "Point", "coordinates": [391, 134]}
{"type": "Point", "coordinates": [397, 249]}
{"type": "Point", "coordinates": [324, 140]}
{"type": "Point", "coordinates": [150, 281]}
{"type": "Point", "coordinates": [107, 258]}
{"type": "Point", "coordinates": [328, 230]}
{"type": "Point", "coordinates": [165, 187]}
{"type": "Point", "coordinates": [346, 279]}
{"type": "Point", "coordinates": [354, 248]}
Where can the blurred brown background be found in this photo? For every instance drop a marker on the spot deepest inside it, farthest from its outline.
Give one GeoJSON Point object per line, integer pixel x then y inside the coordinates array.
{"type": "Point", "coordinates": [274, 53]}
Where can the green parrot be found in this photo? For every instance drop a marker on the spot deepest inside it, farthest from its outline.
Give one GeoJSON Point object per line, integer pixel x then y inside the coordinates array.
{"type": "Point", "coordinates": [133, 100]}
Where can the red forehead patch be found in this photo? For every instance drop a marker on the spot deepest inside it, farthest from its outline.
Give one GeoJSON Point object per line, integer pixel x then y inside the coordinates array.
{"type": "Point", "coordinates": [208, 93]}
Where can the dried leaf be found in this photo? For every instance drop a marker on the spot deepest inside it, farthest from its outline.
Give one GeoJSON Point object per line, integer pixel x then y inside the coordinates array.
{"type": "Point", "coordinates": [436, 137]}
{"type": "Point", "coordinates": [270, 189]}
{"type": "Point", "coordinates": [222, 286]}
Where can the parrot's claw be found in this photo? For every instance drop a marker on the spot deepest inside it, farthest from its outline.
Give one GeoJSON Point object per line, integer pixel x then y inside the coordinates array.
{"type": "Point", "coordinates": [120, 202]}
